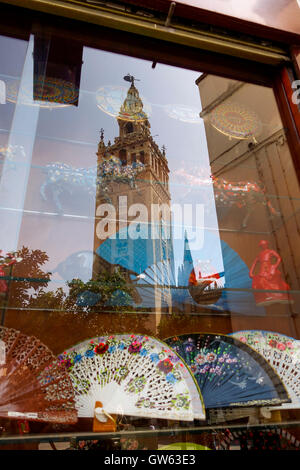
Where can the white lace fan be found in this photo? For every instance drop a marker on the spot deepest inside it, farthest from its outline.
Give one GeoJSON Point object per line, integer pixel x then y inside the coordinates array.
{"type": "Point", "coordinates": [132, 375]}
{"type": "Point", "coordinates": [283, 353]}
{"type": "Point", "coordinates": [33, 383]}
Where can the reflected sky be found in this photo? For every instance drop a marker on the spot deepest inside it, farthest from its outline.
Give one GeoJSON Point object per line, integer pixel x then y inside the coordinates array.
{"type": "Point", "coordinates": [70, 135]}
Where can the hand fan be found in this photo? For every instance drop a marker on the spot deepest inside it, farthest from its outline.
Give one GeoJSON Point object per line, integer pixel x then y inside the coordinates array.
{"type": "Point", "coordinates": [229, 372]}
{"type": "Point", "coordinates": [133, 375]}
{"type": "Point", "coordinates": [156, 282]}
{"type": "Point", "coordinates": [282, 353]}
{"type": "Point", "coordinates": [33, 384]}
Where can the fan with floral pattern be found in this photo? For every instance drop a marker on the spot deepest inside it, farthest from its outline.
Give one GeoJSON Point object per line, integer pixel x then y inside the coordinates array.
{"type": "Point", "coordinates": [229, 373]}
{"type": "Point", "coordinates": [282, 353]}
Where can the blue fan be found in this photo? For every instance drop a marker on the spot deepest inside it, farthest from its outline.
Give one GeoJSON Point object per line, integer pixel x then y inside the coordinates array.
{"type": "Point", "coordinates": [229, 373]}
{"type": "Point", "coordinates": [151, 260]}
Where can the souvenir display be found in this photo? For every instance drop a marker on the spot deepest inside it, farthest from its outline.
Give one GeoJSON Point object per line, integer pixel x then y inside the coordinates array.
{"type": "Point", "coordinates": [244, 195]}
{"type": "Point", "coordinates": [235, 121]}
{"type": "Point", "coordinates": [33, 384]}
{"type": "Point", "coordinates": [132, 375]}
{"type": "Point", "coordinates": [229, 373]}
{"type": "Point", "coordinates": [283, 354]}
{"type": "Point", "coordinates": [268, 278]}
{"type": "Point", "coordinates": [49, 92]}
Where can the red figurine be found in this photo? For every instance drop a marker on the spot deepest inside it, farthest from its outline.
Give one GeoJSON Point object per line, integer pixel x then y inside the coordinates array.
{"type": "Point", "coordinates": [269, 277]}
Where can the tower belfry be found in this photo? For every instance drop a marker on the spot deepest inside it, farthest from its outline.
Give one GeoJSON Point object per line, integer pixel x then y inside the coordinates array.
{"type": "Point", "coordinates": [136, 144]}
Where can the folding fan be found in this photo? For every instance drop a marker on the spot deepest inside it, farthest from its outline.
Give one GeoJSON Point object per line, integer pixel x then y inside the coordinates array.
{"type": "Point", "coordinates": [283, 354]}
{"type": "Point", "coordinates": [33, 383]}
{"type": "Point", "coordinates": [133, 375]}
{"type": "Point", "coordinates": [229, 372]}
{"type": "Point", "coordinates": [156, 269]}
{"type": "Point", "coordinates": [156, 282]}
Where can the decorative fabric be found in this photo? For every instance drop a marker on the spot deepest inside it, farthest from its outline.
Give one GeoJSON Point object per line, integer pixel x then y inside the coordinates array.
{"type": "Point", "coordinates": [229, 372]}
{"type": "Point", "coordinates": [33, 383]}
{"type": "Point", "coordinates": [282, 353]}
{"type": "Point", "coordinates": [132, 375]}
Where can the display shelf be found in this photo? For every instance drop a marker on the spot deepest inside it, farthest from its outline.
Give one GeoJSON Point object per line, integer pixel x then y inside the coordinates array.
{"type": "Point", "coordinates": [168, 431]}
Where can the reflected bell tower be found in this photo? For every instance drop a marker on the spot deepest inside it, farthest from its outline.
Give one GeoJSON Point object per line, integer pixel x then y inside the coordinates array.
{"type": "Point", "coordinates": [133, 198]}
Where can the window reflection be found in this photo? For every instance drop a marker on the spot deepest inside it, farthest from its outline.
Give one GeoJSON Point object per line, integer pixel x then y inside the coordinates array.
{"type": "Point", "coordinates": [144, 203]}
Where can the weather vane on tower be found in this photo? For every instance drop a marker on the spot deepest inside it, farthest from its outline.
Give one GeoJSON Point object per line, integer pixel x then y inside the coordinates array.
{"type": "Point", "coordinates": [130, 78]}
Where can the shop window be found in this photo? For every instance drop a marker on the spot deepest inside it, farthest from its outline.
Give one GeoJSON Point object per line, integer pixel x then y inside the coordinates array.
{"type": "Point", "coordinates": [194, 319]}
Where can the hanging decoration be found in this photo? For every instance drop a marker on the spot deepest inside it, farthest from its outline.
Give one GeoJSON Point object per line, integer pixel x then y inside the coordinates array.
{"type": "Point", "coordinates": [236, 121]}
{"type": "Point", "coordinates": [269, 278]}
{"type": "Point", "coordinates": [229, 373]}
{"type": "Point", "coordinates": [33, 384]}
{"type": "Point", "coordinates": [49, 93]}
{"type": "Point", "coordinates": [132, 375]}
{"type": "Point", "coordinates": [282, 353]}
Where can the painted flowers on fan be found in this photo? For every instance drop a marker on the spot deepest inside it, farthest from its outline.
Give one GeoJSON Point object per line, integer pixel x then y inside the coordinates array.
{"type": "Point", "coordinates": [135, 347]}
{"type": "Point", "coordinates": [101, 348]}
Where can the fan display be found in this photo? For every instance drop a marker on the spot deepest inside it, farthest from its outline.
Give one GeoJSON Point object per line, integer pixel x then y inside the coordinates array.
{"type": "Point", "coordinates": [33, 383]}
{"type": "Point", "coordinates": [236, 121]}
{"type": "Point", "coordinates": [283, 354]}
{"type": "Point", "coordinates": [132, 375]}
{"type": "Point", "coordinates": [229, 373]}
